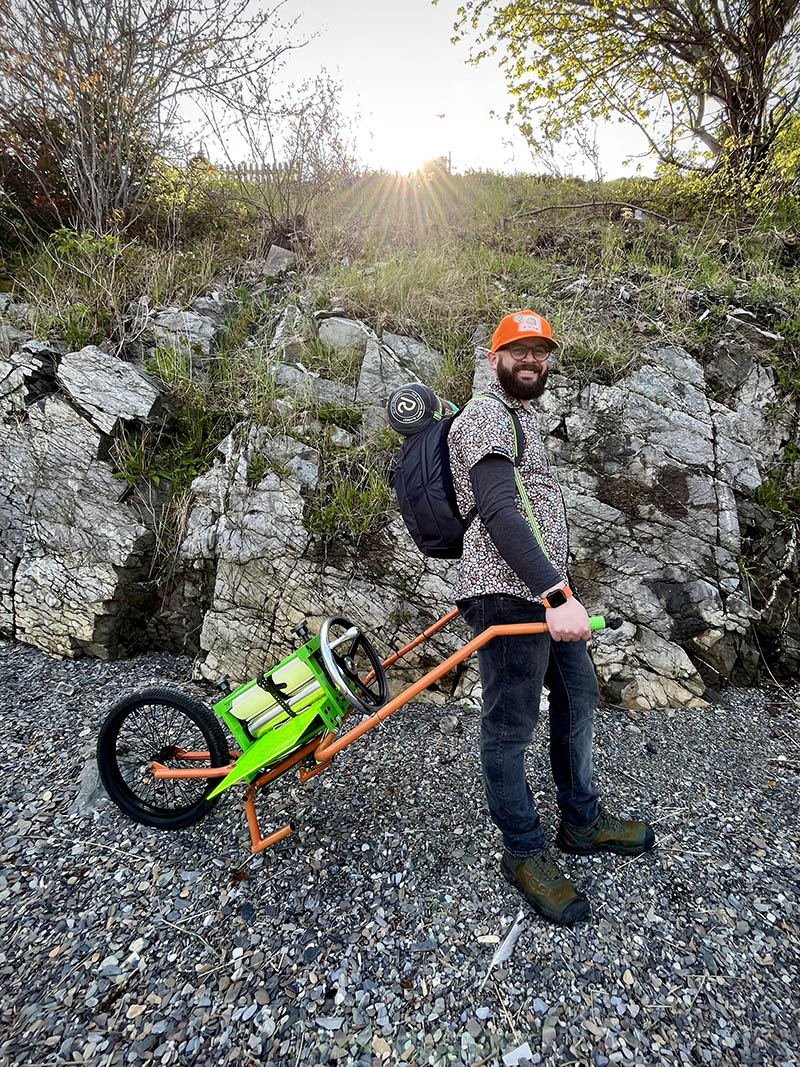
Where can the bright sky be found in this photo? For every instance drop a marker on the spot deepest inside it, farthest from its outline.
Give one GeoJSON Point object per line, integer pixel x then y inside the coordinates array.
{"type": "Point", "coordinates": [400, 71]}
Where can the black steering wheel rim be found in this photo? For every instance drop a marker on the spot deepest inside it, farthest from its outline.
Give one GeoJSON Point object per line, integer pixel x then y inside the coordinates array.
{"type": "Point", "coordinates": [341, 670]}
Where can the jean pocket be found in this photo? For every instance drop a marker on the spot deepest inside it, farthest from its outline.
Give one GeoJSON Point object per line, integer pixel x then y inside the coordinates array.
{"type": "Point", "coordinates": [507, 608]}
{"type": "Point", "coordinates": [473, 610]}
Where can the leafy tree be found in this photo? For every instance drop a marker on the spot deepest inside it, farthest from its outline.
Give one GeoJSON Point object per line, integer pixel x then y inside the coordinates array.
{"type": "Point", "coordinates": [705, 80]}
{"type": "Point", "coordinates": [97, 87]}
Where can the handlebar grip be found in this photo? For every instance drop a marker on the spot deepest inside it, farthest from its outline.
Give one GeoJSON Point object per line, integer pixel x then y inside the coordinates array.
{"type": "Point", "coordinates": [599, 622]}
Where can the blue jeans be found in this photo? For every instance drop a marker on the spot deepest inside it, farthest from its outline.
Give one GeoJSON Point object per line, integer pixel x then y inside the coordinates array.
{"type": "Point", "coordinates": [513, 670]}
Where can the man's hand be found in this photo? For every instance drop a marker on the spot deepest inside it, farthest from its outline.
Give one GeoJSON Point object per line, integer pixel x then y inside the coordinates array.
{"type": "Point", "coordinates": [570, 622]}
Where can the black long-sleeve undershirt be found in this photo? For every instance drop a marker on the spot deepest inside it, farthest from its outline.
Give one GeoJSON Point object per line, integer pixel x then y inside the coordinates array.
{"type": "Point", "coordinates": [495, 492]}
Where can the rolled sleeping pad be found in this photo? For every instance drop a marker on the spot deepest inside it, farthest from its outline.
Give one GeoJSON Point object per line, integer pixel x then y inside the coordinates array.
{"type": "Point", "coordinates": [412, 408]}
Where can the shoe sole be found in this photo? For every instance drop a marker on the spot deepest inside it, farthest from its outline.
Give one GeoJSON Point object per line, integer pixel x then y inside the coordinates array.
{"type": "Point", "coordinates": [558, 920]}
{"type": "Point", "coordinates": [618, 850]}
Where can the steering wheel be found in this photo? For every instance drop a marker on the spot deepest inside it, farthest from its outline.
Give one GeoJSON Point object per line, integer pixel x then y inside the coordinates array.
{"type": "Point", "coordinates": [349, 657]}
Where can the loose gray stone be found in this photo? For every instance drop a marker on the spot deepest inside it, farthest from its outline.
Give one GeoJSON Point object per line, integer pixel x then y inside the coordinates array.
{"type": "Point", "coordinates": [278, 261]}
{"type": "Point", "coordinates": [107, 389]}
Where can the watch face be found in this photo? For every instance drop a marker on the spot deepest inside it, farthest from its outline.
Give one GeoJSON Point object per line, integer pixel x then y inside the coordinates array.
{"type": "Point", "coordinates": [556, 598]}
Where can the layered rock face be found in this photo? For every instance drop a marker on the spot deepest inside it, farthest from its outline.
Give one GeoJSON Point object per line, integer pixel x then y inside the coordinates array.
{"type": "Point", "coordinates": [659, 471]}
{"type": "Point", "coordinates": [72, 553]}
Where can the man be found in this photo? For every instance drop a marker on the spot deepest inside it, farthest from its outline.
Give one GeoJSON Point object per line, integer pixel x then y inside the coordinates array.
{"type": "Point", "coordinates": [514, 569]}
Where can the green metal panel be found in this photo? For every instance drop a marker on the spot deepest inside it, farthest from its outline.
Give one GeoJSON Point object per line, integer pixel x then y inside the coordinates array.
{"type": "Point", "coordinates": [321, 711]}
{"type": "Point", "coordinates": [288, 735]}
{"type": "Point", "coordinates": [240, 734]}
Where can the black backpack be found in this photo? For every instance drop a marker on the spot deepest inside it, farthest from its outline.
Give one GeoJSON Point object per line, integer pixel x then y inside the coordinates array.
{"type": "Point", "coordinates": [423, 482]}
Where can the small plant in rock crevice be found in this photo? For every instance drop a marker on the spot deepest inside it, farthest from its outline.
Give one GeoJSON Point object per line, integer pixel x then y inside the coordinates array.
{"type": "Point", "coordinates": [177, 455]}
{"type": "Point", "coordinates": [780, 490]}
{"type": "Point", "coordinates": [354, 498]}
{"type": "Point", "coordinates": [261, 465]}
{"type": "Point", "coordinates": [347, 418]}
{"type": "Point", "coordinates": [338, 364]}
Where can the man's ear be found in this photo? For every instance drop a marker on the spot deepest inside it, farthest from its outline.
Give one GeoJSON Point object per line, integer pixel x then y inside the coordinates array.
{"type": "Point", "coordinates": [492, 357]}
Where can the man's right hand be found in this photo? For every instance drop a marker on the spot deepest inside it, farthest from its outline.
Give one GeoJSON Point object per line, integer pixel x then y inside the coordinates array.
{"type": "Point", "coordinates": [569, 622]}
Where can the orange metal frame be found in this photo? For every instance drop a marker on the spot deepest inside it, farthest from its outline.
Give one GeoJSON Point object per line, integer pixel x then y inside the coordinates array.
{"type": "Point", "coordinates": [325, 748]}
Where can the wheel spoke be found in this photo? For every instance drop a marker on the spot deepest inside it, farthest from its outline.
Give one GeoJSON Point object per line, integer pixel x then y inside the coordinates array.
{"type": "Point", "coordinates": [143, 736]}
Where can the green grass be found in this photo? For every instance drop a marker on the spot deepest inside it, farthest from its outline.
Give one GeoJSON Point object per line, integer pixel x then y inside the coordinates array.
{"type": "Point", "coordinates": [352, 510]}
{"type": "Point", "coordinates": [177, 454]}
{"type": "Point", "coordinates": [80, 286]}
{"type": "Point", "coordinates": [434, 262]}
{"type": "Point", "coordinates": [780, 491]}
{"type": "Point", "coordinates": [432, 258]}
{"type": "Point", "coordinates": [354, 498]}
{"type": "Point", "coordinates": [338, 364]}
{"type": "Point", "coordinates": [261, 465]}
{"type": "Point", "coordinates": [347, 418]}
{"type": "Point", "coordinates": [173, 366]}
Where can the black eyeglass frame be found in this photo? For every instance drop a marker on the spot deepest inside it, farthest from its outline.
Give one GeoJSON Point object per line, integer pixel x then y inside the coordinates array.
{"type": "Point", "coordinates": [522, 352]}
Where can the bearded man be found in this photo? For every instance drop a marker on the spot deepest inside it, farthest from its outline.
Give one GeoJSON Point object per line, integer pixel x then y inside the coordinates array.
{"type": "Point", "coordinates": [514, 569]}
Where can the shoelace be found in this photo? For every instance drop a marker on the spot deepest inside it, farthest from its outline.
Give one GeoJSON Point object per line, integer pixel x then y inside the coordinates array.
{"type": "Point", "coordinates": [609, 822]}
{"type": "Point", "coordinates": [548, 866]}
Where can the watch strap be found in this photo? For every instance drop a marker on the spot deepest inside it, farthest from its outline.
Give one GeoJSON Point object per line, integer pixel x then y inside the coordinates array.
{"type": "Point", "coordinates": [557, 597]}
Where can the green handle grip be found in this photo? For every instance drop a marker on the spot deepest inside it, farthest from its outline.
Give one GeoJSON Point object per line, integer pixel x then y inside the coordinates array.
{"type": "Point", "coordinates": [599, 622]}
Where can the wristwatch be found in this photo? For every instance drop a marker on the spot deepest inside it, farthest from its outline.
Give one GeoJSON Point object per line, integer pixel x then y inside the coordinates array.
{"type": "Point", "coordinates": [557, 597]}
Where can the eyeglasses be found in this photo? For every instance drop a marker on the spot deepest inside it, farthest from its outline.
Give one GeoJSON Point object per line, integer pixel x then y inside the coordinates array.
{"type": "Point", "coordinates": [521, 351]}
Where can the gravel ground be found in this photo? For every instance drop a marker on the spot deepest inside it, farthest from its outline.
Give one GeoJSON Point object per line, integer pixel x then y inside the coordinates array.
{"type": "Point", "coordinates": [364, 938]}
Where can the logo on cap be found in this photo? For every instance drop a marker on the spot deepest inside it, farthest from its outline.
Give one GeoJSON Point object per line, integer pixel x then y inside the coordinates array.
{"type": "Point", "coordinates": [528, 322]}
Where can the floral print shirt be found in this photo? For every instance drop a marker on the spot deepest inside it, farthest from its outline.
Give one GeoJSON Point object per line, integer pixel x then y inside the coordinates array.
{"type": "Point", "coordinates": [482, 428]}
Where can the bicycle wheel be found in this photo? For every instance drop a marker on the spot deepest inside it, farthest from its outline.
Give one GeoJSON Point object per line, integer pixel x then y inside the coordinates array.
{"type": "Point", "coordinates": [159, 724]}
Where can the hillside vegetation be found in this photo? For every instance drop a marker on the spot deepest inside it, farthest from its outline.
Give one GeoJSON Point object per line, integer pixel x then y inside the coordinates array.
{"type": "Point", "coordinates": [615, 266]}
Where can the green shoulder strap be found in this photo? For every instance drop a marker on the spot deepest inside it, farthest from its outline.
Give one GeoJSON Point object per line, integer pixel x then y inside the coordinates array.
{"type": "Point", "coordinates": [516, 426]}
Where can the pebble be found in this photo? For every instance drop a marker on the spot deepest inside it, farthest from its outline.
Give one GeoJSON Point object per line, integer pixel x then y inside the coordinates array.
{"type": "Point", "coordinates": [374, 954]}
{"type": "Point", "coordinates": [330, 1022]}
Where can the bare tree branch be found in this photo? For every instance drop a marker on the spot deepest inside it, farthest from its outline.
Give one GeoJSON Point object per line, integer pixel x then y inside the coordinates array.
{"type": "Point", "coordinates": [96, 87]}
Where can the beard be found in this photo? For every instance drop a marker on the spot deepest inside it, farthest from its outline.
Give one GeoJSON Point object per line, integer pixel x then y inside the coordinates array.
{"type": "Point", "coordinates": [521, 388]}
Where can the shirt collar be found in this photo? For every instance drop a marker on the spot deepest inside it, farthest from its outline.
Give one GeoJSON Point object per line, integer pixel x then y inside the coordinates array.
{"type": "Point", "coordinates": [495, 387]}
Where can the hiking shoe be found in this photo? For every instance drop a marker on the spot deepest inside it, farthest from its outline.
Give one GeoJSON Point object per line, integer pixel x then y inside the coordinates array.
{"type": "Point", "coordinates": [541, 882]}
{"type": "Point", "coordinates": [606, 834]}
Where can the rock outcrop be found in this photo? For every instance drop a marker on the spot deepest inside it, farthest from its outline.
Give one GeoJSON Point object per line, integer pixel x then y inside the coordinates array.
{"type": "Point", "coordinates": [659, 472]}
{"type": "Point", "coordinates": [73, 554]}
{"type": "Point", "coordinates": [268, 576]}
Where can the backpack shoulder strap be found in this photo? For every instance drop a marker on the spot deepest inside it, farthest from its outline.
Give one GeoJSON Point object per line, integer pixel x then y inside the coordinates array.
{"type": "Point", "coordinates": [519, 433]}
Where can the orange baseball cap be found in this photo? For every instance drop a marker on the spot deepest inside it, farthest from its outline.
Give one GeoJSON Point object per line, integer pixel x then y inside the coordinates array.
{"type": "Point", "coordinates": [522, 324]}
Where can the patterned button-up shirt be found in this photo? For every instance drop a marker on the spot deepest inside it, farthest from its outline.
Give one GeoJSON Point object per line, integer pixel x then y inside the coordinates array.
{"type": "Point", "coordinates": [485, 427]}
